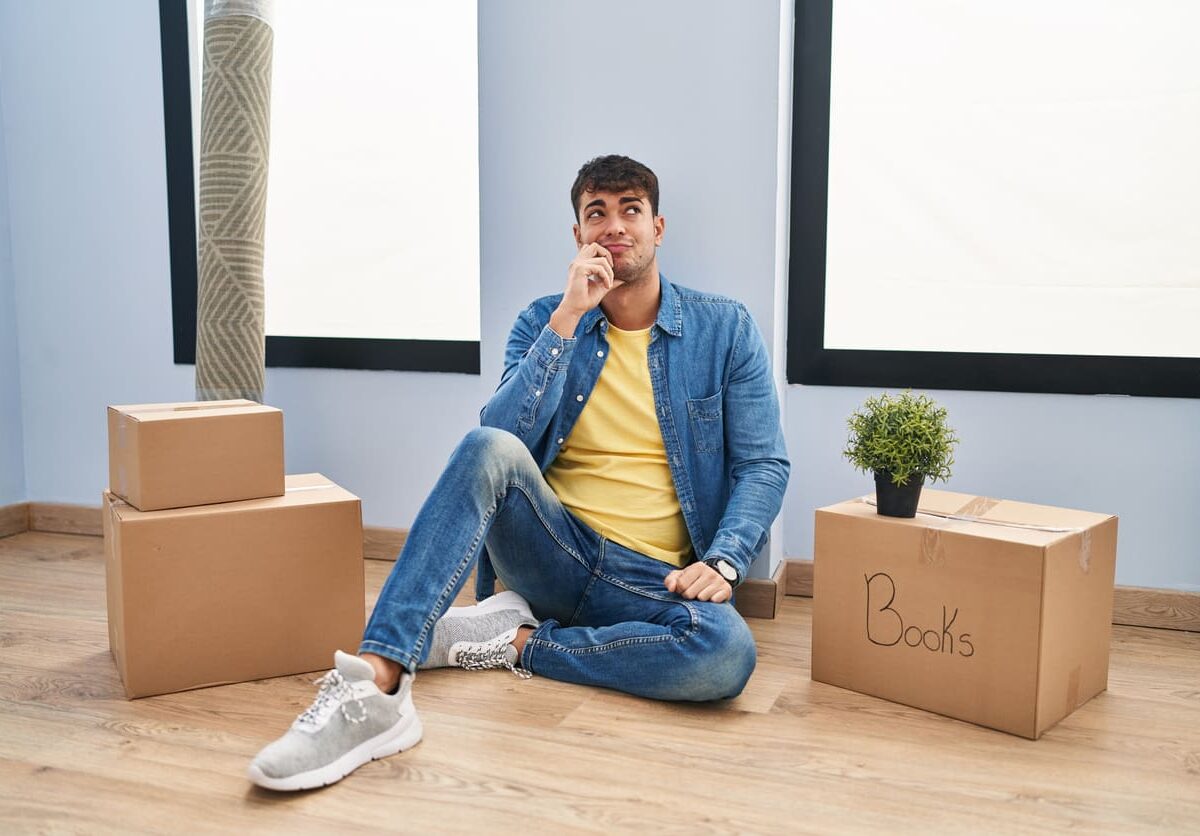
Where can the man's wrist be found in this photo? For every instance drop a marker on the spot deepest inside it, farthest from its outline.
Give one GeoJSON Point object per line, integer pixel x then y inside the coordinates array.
{"type": "Point", "coordinates": [563, 322]}
{"type": "Point", "coordinates": [725, 568]}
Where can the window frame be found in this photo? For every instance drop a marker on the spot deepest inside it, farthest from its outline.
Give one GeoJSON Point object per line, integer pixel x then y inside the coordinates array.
{"type": "Point", "coordinates": [810, 363]}
{"type": "Point", "coordinates": [458, 356]}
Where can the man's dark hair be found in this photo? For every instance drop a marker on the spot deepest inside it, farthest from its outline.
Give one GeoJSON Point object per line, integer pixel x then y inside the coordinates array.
{"type": "Point", "coordinates": [614, 173]}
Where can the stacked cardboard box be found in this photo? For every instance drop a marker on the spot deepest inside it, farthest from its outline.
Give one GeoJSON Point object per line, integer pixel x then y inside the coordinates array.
{"type": "Point", "coordinates": [175, 455]}
{"type": "Point", "coordinates": [991, 611]}
{"type": "Point", "coordinates": [219, 568]}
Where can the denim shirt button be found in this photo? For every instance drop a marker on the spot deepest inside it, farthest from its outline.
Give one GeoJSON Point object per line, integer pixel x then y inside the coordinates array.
{"type": "Point", "coordinates": [554, 352]}
{"type": "Point", "coordinates": [537, 393]}
{"type": "Point", "coordinates": [560, 441]}
{"type": "Point", "coordinates": [599, 353]}
{"type": "Point", "coordinates": [579, 398]}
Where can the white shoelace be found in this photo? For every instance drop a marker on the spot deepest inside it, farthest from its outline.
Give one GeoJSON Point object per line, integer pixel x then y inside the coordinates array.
{"type": "Point", "coordinates": [335, 693]}
{"type": "Point", "coordinates": [492, 654]}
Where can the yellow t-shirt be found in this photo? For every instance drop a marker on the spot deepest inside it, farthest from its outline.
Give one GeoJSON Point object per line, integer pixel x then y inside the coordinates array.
{"type": "Point", "coordinates": [612, 472]}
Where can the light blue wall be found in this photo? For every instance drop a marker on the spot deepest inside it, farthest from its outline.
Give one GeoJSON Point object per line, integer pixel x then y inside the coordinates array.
{"type": "Point", "coordinates": [93, 282]}
{"type": "Point", "coordinates": [83, 130]}
{"type": "Point", "coordinates": [12, 455]}
{"type": "Point", "coordinates": [542, 114]}
{"type": "Point", "coordinates": [690, 93]}
{"type": "Point", "coordinates": [1138, 458]}
{"type": "Point", "coordinates": [688, 87]}
{"type": "Point", "coordinates": [693, 94]}
{"type": "Point", "coordinates": [83, 101]}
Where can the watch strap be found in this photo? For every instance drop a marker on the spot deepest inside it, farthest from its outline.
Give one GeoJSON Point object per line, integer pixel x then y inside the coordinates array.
{"type": "Point", "coordinates": [724, 567]}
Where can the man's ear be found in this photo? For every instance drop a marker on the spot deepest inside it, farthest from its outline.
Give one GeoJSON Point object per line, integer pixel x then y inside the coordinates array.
{"type": "Point", "coordinates": [660, 225]}
{"type": "Point", "coordinates": [578, 240]}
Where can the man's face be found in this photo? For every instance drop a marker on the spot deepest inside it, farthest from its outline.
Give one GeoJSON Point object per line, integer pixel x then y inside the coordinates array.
{"type": "Point", "coordinates": [624, 224]}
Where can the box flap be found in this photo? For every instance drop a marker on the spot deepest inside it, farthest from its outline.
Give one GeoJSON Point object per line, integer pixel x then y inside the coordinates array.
{"type": "Point", "coordinates": [985, 517]}
{"type": "Point", "coordinates": [1008, 511]}
{"type": "Point", "coordinates": [308, 481]}
{"type": "Point", "coordinates": [189, 409]}
{"type": "Point", "coordinates": [1076, 622]}
{"type": "Point", "coordinates": [300, 489]}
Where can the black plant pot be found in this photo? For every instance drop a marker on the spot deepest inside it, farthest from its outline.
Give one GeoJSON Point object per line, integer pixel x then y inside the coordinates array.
{"type": "Point", "coordinates": [894, 500]}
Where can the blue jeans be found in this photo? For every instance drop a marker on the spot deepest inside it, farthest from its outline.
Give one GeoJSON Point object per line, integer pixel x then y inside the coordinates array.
{"type": "Point", "coordinates": [606, 618]}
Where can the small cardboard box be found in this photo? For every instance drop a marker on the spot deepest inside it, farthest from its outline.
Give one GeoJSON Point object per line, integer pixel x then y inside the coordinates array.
{"type": "Point", "coordinates": [173, 455]}
{"type": "Point", "coordinates": [226, 593]}
{"type": "Point", "coordinates": [994, 612]}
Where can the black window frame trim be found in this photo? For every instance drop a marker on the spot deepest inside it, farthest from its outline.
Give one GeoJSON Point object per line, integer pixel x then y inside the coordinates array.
{"type": "Point", "coordinates": [457, 356]}
{"type": "Point", "coordinates": [810, 362]}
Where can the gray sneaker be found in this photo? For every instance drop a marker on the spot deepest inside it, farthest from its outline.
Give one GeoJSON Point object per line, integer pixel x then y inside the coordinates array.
{"type": "Point", "coordinates": [480, 636]}
{"type": "Point", "coordinates": [351, 722]}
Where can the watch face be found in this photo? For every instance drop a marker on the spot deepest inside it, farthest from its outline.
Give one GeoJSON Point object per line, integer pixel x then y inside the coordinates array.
{"type": "Point", "coordinates": [727, 571]}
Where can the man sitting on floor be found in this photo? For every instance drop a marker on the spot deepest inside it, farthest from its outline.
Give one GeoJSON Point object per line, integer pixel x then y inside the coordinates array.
{"type": "Point", "coordinates": [627, 471]}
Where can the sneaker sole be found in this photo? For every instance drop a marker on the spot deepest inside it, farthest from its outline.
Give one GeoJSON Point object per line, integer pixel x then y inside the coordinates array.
{"type": "Point", "coordinates": [507, 600]}
{"type": "Point", "coordinates": [399, 738]}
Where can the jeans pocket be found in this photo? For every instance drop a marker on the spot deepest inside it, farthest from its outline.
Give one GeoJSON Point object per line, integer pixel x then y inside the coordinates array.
{"type": "Point", "coordinates": [708, 426]}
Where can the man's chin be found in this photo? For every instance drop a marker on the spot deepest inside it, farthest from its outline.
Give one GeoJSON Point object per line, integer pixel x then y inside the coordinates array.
{"type": "Point", "coordinates": [623, 278]}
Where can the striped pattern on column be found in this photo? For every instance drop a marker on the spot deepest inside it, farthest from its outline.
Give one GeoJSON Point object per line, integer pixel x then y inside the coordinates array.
{"type": "Point", "coordinates": [234, 134]}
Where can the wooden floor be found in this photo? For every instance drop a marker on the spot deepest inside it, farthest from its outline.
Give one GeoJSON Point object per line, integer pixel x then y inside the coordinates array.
{"type": "Point", "coordinates": [505, 756]}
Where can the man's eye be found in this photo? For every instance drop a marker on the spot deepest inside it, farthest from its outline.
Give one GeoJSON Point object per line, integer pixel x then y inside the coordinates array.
{"type": "Point", "coordinates": [594, 214]}
{"type": "Point", "coordinates": [634, 209]}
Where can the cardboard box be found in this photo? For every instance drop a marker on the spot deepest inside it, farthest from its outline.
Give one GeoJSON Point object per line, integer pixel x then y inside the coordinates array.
{"type": "Point", "coordinates": [174, 455]}
{"type": "Point", "coordinates": [227, 593]}
{"type": "Point", "coordinates": [994, 612]}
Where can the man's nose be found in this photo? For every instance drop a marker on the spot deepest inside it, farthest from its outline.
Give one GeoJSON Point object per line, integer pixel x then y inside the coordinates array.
{"type": "Point", "coordinates": [616, 224]}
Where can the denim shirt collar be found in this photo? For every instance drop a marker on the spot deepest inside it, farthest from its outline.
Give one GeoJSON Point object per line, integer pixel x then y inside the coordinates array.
{"type": "Point", "coordinates": [670, 311]}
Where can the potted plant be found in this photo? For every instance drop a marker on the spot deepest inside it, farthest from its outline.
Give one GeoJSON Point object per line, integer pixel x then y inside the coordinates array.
{"type": "Point", "coordinates": [903, 440]}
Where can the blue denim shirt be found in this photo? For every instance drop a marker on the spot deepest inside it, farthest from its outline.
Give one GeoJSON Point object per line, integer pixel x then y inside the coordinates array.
{"type": "Point", "coordinates": [713, 393]}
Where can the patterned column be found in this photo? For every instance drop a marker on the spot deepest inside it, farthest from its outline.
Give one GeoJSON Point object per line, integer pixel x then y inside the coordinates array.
{"type": "Point", "coordinates": [234, 135]}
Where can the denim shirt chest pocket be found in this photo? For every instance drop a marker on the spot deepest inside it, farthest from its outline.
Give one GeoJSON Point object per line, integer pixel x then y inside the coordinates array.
{"type": "Point", "coordinates": [708, 425]}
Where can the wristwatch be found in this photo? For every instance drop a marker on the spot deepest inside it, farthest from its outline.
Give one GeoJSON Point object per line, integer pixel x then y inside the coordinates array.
{"type": "Point", "coordinates": [724, 568]}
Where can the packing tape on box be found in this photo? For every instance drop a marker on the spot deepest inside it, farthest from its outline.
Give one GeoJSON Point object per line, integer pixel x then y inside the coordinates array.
{"type": "Point", "coordinates": [933, 552]}
{"type": "Point", "coordinates": [977, 507]}
{"type": "Point", "coordinates": [1073, 688]}
{"type": "Point", "coordinates": [122, 486]}
{"type": "Point", "coordinates": [975, 518]}
{"type": "Point", "coordinates": [1085, 551]}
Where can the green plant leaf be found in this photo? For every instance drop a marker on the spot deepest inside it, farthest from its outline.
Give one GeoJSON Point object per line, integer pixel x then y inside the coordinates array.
{"type": "Point", "coordinates": [901, 435]}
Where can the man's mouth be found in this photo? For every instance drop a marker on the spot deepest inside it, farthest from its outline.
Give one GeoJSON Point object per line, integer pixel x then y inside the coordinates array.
{"type": "Point", "coordinates": [617, 249]}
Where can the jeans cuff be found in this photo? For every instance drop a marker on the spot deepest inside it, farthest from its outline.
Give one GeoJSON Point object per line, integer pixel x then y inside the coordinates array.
{"type": "Point", "coordinates": [406, 660]}
{"type": "Point", "coordinates": [531, 642]}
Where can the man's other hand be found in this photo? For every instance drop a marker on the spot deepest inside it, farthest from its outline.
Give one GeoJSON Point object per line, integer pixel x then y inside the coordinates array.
{"type": "Point", "coordinates": [699, 582]}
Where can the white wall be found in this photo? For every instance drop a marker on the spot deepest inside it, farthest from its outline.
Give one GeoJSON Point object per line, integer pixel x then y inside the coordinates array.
{"type": "Point", "coordinates": [690, 89]}
{"type": "Point", "coordinates": [12, 455]}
